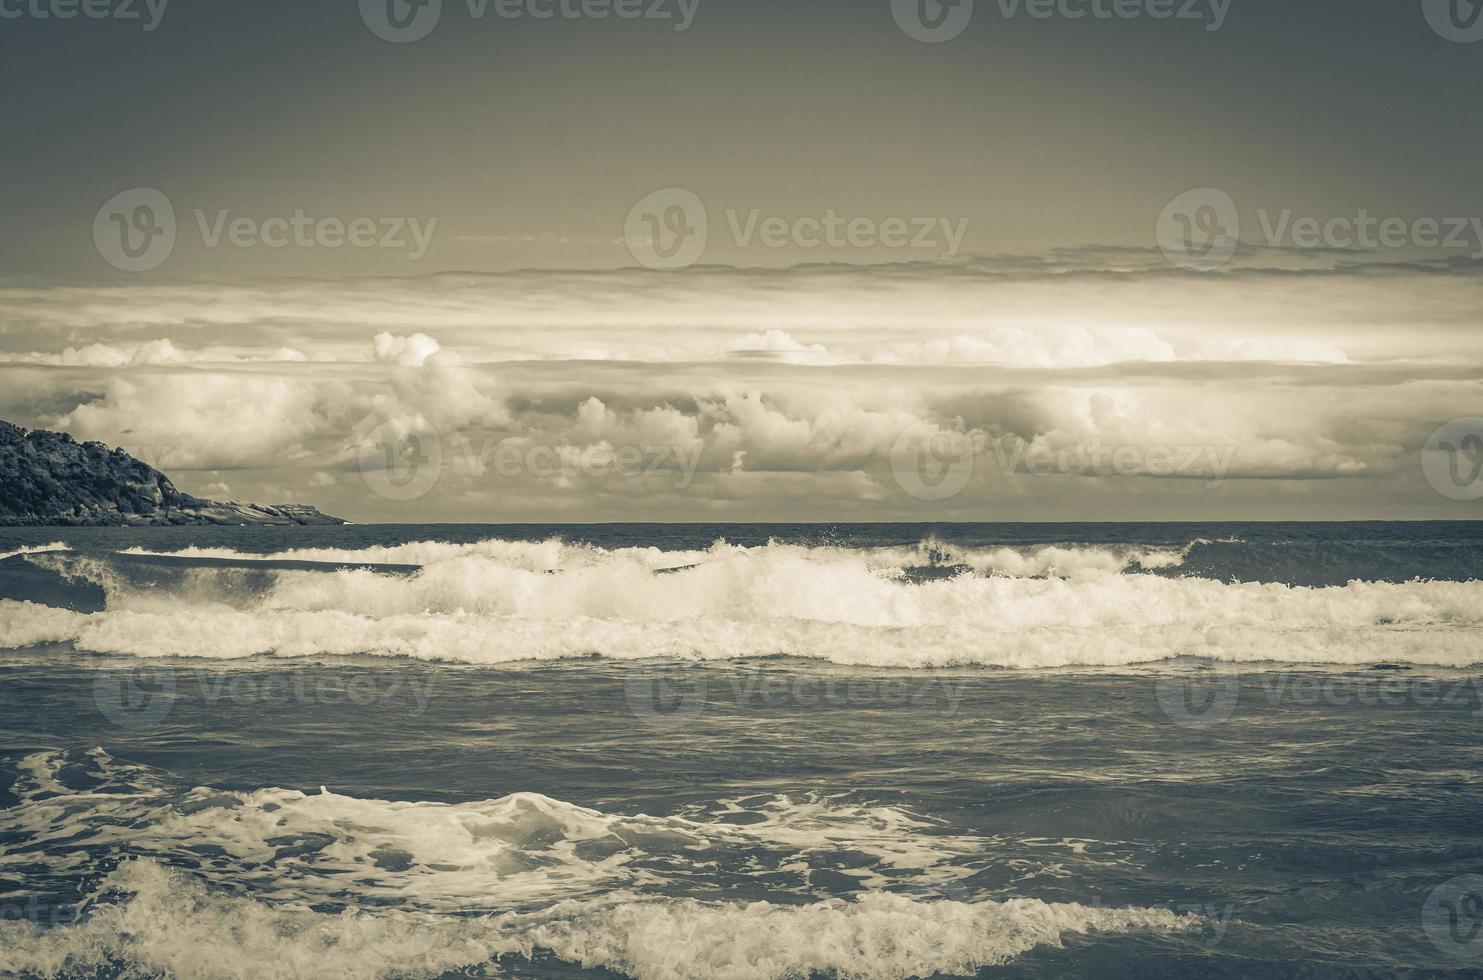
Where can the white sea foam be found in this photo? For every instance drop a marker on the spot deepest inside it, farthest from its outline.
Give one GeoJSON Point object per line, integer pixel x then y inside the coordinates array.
{"type": "Point", "coordinates": [34, 549]}
{"type": "Point", "coordinates": [498, 602]}
{"type": "Point", "coordinates": [553, 554]}
{"type": "Point", "coordinates": [173, 924]}
{"type": "Point", "coordinates": [523, 850]}
{"type": "Point", "coordinates": [335, 886]}
{"type": "Point", "coordinates": [26, 624]}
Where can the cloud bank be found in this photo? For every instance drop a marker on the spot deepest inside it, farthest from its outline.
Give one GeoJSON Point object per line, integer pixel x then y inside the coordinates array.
{"type": "Point", "coordinates": [1096, 384]}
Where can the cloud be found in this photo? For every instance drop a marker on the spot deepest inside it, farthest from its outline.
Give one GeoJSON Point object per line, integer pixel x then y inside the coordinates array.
{"type": "Point", "coordinates": [204, 420]}
{"type": "Point", "coordinates": [1296, 379]}
{"type": "Point", "coordinates": [1069, 308]}
{"type": "Point", "coordinates": [148, 354]}
{"type": "Point", "coordinates": [231, 418]}
{"type": "Point", "coordinates": [410, 351]}
{"type": "Point", "coordinates": [777, 345]}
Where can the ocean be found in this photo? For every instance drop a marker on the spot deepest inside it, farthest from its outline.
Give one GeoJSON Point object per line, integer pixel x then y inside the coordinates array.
{"type": "Point", "coordinates": [743, 751]}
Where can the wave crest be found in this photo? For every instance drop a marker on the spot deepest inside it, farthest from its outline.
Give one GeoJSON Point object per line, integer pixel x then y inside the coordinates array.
{"type": "Point", "coordinates": [173, 924]}
{"type": "Point", "coordinates": [498, 602]}
{"type": "Point", "coordinates": [218, 884]}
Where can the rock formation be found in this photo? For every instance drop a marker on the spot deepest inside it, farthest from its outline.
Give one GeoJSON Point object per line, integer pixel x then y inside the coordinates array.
{"type": "Point", "coordinates": [51, 478]}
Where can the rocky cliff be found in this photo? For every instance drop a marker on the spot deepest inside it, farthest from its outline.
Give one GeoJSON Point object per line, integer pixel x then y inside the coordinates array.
{"type": "Point", "coordinates": [51, 478]}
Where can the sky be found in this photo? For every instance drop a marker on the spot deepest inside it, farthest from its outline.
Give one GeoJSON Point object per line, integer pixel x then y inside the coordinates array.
{"type": "Point", "coordinates": [754, 260]}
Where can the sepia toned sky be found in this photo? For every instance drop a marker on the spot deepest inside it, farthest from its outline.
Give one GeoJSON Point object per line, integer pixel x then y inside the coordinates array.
{"type": "Point", "coordinates": [894, 247]}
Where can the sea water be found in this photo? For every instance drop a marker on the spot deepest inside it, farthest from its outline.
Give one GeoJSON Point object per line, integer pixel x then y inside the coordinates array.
{"type": "Point", "coordinates": [746, 751]}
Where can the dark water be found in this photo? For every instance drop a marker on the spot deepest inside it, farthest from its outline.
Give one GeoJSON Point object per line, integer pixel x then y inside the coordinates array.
{"type": "Point", "coordinates": [1306, 807]}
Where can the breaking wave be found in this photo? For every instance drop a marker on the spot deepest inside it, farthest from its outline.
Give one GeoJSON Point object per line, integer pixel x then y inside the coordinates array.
{"type": "Point", "coordinates": [927, 605]}
{"type": "Point", "coordinates": [218, 884]}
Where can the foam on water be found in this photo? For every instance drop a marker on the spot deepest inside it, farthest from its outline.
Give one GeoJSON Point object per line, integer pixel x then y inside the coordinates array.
{"type": "Point", "coordinates": [33, 549]}
{"type": "Point", "coordinates": [236, 884]}
{"type": "Point", "coordinates": [500, 601]}
{"type": "Point", "coordinates": [554, 554]}
{"type": "Point", "coordinates": [532, 849]}
{"type": "Point", "coordinates": [173, 924]}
